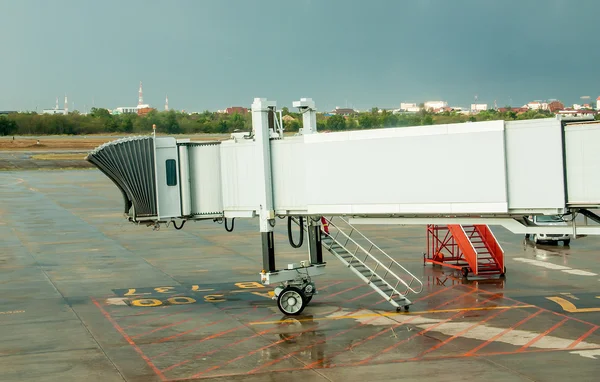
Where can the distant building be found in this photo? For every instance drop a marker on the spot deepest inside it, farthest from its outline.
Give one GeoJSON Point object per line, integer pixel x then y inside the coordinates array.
{"type": "Point", "coordinates": [53, 111]}
{"type": "Point", "coordinates": [537, 105]}
{"type": "Point", "coordinates": [555, 106]}
{"type": "Point", "coordinates": [236, 110]}
{"type": "Point", "coordinates": [598, 103]}
{"type": "Point", "coordinates": [408, 107]}
{"type": "Point", "coordinates": [343, 111]}
{"type": "Point", "coordinates": [144, 110]}
{"type": "Point", "coordinates": [139, 110]}
{"type": "Point", "coordinates": [477, 107]}
{"type": "Point", "coordinates": [577, 113]}
{"type": "Point", "coordinates": [517, 110]}
{"type": "Point", "coordinates": [5, 112]}
{"type": "Point", "coordinates": [435, 105]}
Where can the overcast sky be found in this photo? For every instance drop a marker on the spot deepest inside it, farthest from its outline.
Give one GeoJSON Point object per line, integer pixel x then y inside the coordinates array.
{"type": "Point", "coordinates": [215, 54]}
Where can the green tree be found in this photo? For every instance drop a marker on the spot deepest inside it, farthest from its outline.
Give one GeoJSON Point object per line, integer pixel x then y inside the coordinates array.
{"type": "Point", "coordinates": [7, 126]}
{"type": "Point", "coordinates": [427, 120]}
{"type": "Point", "coordinates": [171, 125]}
{"type": "Point", "coordinates": [100, 113]}
{"type": "Point", "coordinates": [366, 121]}
{"type": "Point", "coordinates": [336, 123]}
{"type": "Point", "coordinates": [293, 126]}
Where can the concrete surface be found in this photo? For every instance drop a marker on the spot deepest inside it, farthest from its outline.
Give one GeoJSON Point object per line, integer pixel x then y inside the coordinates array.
{"type": "Point", "coordinates": [89, 296]}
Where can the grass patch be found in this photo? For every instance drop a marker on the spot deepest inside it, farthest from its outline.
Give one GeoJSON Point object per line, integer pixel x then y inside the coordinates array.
{"type": "Point", "coordinates": [58, 156]}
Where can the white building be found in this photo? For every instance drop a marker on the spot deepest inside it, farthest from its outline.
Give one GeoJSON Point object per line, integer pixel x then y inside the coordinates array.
{"type": "Point", "coordinates": [408, 107]}
{"type": "Point", "coordinates": [477, 107]}
{"type": "Point", "coordinates": [434, 105]}
{"type": "Point", "coordinates": [129, 109]}
{"type": "Point", "coordinates": [53, 111]}
{"type": "Point", "coordinates": [537, 105]}
{"type": "Point", "coordinates": [598, 103]}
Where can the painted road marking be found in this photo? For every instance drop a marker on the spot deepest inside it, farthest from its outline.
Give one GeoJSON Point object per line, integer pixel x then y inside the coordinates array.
{"type": "Point", "coordinates": [556, 267]}
{"type": "Point", "coordinates": [13, 312]}
{"type": "Point", "coordinates": [588, 353]}
{"type": "Point", "coordinates": [394, 314]}
{"type": "Point", "coordinates": [516, 337]}
{"type": "Point", "coordinates": [116, 301]}
{"type": "Point", "coordinates": [480, 331]}
{"type": "Point", "coordinates": [568, 306]}
{"type": "Point", "coordinates": [579, 272]}
{"type": "Point", "coordinates": [570, 295]}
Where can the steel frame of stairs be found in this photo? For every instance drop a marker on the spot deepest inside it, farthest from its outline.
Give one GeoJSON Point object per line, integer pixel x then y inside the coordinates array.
{"type": "Point", "coordinates": [472, 249]}
{"type": "Point", "coordinates": [370, 263]}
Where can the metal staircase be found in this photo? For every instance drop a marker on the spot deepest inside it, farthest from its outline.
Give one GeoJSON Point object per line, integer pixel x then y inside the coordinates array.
{"type": "Point", "coordinates": [473, 249]}
{"type": "Point", "coordinates": [490, 256]}
{"type": "Point", "coordinates": [370, 263]}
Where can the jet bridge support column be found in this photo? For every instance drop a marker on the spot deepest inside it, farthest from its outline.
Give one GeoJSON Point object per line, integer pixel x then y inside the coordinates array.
{"type": "Point", "coordinates": [309, 115]}
{"type": "Point", "coordinates": [296, 288]}
{"type": "Point", "coordinates": [262, 133]}
{"type": "Point", "coordinates": [309, 126]}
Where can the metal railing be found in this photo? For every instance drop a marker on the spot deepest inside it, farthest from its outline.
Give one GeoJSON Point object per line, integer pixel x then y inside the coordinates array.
{"type": "Point", "coordinates": [347, 238]}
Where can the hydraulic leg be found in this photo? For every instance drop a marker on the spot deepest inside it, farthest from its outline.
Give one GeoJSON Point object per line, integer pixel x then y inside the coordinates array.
{"type": "Point", "coordinates": [314, 241]}
{"type": "Point", "coordinates": [268, 250]}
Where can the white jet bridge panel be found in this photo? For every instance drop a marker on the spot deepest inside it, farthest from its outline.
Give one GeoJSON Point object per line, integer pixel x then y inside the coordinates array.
{"type": "Point", "coordinates": [205, 178]}
{"type": "Point", "coordinates": [167, 178]}
{"type": "Point", "coordinates": [535, 165]}
{"type": "Point", "coordinates": [289, 174]}
{"type": "Point", "coordinates": [583, 164]}
{"type": "Point", "coordinates": [423, 170]}
{"type": "Point", "coordinates": [239, 179]}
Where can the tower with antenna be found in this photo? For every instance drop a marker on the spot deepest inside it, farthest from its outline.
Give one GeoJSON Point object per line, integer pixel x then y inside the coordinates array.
{"type": "Point", "coordinates": [167, 103]}
{"type": "Point", "coordinates": [56, 107]}
{"type": "Point", "coordinates": [66, 105]}
{"type": "Point", "coordinates": [140, 96]}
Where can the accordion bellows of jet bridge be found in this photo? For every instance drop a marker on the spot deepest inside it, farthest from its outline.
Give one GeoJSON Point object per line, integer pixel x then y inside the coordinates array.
{"type": "Point", "coordinates": [482, 173]}
{"type": "Point", "coordinates": [129, 163]}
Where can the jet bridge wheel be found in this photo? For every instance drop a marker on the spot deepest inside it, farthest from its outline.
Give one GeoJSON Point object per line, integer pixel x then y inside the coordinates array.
{"type": "Point", "coordinates": [291, 301]}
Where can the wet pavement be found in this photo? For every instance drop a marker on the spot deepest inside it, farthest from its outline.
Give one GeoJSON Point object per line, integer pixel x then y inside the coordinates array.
{"type": "Point", "coordinates": [89, 296]}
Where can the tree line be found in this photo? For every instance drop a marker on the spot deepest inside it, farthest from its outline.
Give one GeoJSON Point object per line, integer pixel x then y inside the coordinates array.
{"type": "Point", "coordinates": [100, 121]}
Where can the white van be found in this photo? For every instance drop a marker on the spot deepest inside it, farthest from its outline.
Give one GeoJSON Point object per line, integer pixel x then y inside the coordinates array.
{"type": "Point", "coordinates": [548, 221]}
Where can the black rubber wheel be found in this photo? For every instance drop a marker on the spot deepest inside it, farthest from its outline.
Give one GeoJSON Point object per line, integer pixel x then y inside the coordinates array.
{"type": "Point", "coordinates": [465, 272]}
{"type": "Point", "coordinates": [406, 308]}
{"type": "Point", "coordinates": [503, 274]}
{"type": "Point", "coordinates": [291, 301]}
{"type": "Point", "coordinates": [567, 242]}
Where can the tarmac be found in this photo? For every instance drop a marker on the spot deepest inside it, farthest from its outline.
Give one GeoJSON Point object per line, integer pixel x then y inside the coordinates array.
{"type": "Point", "coordinates": [88, 296]}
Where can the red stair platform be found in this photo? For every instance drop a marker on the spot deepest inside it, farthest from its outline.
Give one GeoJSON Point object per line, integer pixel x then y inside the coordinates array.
{"type": "Point", "coordinates": [473, 249]}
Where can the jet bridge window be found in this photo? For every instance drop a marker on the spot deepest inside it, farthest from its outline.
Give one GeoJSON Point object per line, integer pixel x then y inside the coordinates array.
{"type": "Point", "coordinates": [171, 166]}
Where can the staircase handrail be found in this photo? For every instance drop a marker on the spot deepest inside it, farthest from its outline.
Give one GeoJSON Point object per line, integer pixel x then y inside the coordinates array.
{"type": "Point", "coordinates": [386, 268]}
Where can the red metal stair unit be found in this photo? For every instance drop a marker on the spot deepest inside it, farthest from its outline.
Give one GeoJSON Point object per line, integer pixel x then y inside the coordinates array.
{"type": "Point", "coordinates": [471, 248]}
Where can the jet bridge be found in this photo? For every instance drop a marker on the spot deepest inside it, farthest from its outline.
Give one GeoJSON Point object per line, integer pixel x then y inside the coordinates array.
{"type": "Point", "coordinates": [483, 173]}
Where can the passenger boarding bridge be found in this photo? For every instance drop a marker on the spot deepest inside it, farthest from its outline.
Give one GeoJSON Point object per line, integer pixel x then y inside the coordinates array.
{"type": "Point", "coordinates": [457, 179]}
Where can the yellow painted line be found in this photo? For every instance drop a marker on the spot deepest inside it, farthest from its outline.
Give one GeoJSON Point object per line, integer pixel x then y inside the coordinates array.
{"type": "Point", "coordinates": [391, 314]}
{"type": "Point", "coordinates": [13, 312]}
{"type": "Point", "coordinates": [570, 307]}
